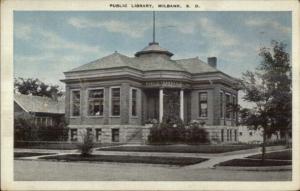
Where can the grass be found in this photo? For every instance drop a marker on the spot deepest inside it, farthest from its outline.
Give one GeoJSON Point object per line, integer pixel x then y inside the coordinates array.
{"type": "Point", "coordinates": [281, 155]}
{"type": "Point", "coordinates": [180, 161]}
{"type": "Point", "coordinates": [181, 148]}
{"type": "Point", "coordinates": [53, 145]}
{"type": "Point", "coordinates": [253, 163]}
{"type": "Point", "coordinates": [29, 154]}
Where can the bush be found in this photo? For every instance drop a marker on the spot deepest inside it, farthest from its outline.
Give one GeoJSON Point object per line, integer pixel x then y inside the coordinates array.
{"type": "Point", "coordinates": [26, 130]}
{"type": "Point", "coordinates": [174, 131]}
{"type": "Point", "coordinates": [196, 135]}
{"type": "Point", "coordinates": [86, 146]}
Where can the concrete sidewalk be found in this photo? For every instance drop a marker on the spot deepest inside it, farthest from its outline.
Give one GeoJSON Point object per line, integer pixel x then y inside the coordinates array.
{"type": "Point", "coordinates": [214, 158]}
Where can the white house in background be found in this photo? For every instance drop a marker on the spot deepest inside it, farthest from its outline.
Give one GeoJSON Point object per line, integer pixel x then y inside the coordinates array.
{"type": "Point", "coordinates": [247, 135]}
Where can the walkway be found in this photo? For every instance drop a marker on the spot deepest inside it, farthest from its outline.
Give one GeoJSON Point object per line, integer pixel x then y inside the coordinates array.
{"type": "Point", "coordinates": [213, 158]}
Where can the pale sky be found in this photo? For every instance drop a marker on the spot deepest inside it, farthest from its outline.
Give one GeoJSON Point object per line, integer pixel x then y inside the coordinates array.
{"type": "Point", "coordinates": [48, 43]}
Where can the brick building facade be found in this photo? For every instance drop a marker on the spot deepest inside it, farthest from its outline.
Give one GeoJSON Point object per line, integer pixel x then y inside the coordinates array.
{"type": "Point", "coordinates": [114, 97]}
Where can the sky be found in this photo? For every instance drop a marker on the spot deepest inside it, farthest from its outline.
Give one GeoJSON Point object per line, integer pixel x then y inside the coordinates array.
{"type": "Point", "coordinates": [48, 43]}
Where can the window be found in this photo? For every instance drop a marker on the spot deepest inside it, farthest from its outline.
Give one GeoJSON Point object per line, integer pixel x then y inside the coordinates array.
{"type": "Point", "coordinates": [133, 102]}
{"type": "Point", "coordinates": [221, 105]}
{"type": "Point", "coordinates": [203, 104]}
{"type": "Point", "coordinates": [222, 135]}
{"type": "Point", "coordinates": [230, 134]}
{"type": "Point", "coordinates": [250, 133]}
{"type": "Point", "coordinates": [115, 101]}
{"type": "Point", "coordinates": [115, 135]}
{"type": "Point", "coordinates": [234, 102]}
{"type": "Point", "coordinates": [75, 105]}
{"type": "Point", "coordinates": [241, 134]}
{"type": "Point", "coordinates": [73, 134]}
{"type": "Point", "coordinates": [227, 134]}
{"type": "Point", "coordinates": [235, 135]}
{"type": "Point", "coordinates": [96, 102]}
{"type": "Point", "coordinates": [227, 106]}
{"type": "Point", "coordinates": [98, 135]}
{"type": "Point", "coordinates": [89, 131]}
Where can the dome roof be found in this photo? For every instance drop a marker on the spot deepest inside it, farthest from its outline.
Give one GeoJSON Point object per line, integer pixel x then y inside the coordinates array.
{"type": "Point", "coordinates": [154, 47]}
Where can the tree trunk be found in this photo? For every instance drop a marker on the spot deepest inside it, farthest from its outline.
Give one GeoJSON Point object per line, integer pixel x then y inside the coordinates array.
{"type": "Point", "coordinates": [263, 147]}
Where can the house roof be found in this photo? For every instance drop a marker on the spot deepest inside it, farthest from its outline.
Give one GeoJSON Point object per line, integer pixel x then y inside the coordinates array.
{"type": "Point", "coordinates": [40, 104]}
{"type": "Point", "coordinates": [148, 63]}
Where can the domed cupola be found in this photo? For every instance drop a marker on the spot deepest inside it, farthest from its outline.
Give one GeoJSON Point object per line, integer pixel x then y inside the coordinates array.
{"type": "Point", "coordinates": [153, 48]}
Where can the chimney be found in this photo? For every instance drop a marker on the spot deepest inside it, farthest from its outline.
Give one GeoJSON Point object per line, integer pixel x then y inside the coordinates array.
{"type": "Point", "coordinates": [212, 61]}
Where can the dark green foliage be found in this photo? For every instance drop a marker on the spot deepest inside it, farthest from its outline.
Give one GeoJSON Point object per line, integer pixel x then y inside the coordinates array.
{"type": "Point", "coordinates": [86, 146]}
{"type": "Point", "coordinates": [37, 88]}
{"type": "Point", "coordinates": [203, 148]}
{"type": "Point", "coordinates": [181, 161]}
{"type": "Point", "coordinates": [174, 131]}
{"type": "Point", "coordinates": [280, 155]}
{"type": "Point", "coordinates": [254, 163]}
{"type": "Point", "coordinates": [195, 135]}
{"type": "Point", "coordinates": [26, 130]}
{"type": "Point", "coordinates": [29, 154]}
{"type": "Point", "coordinates": [269, 88]}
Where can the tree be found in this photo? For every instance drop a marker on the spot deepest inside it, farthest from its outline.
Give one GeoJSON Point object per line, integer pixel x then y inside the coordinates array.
{"type": "Point", "coordinates": [269, 88]}
{"type": "Point", "coordinates": [36, 87]}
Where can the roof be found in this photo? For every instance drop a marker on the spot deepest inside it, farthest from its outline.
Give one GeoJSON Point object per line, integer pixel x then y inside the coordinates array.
{"type": "Point", "coordinates": [195, 65]}
{"type": "Point", "coordinates": [148, 63]}
{"type": "Point", "coordinates": [40, 104]}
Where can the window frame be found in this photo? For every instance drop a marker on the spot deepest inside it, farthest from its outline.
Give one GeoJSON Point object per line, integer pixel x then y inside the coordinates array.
{"type": "Point", "coordinates": [110, 101]}
{"type": "Point", "coordinates": [234, 102]}
{"type": "Point", "coordinates": [199, 104]}
{"type": "Point", "coordinates": [131, 102]}
{"type": "Point", "coordinates": [71, 105]}
{"type": "Point", "coordinates": [113, 137]}
{"type": "Point", "coordinates": [226, 107]}
{"type": "Point", "coordinates": [97, 134]}
{"type": "Point", "coordinates": [87, 101]}
{"type": "Point", "coordinates": [71, 134]}
{"type": "Point", "coordinates": [222, 113]}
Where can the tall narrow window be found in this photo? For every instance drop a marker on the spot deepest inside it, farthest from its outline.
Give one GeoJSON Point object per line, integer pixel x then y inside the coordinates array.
{"type": "Point", "coordinates": [235, 135]}
{"type": "Point", "coordinates": [98, 134]}
{"type": "Point", "coordinates": [222, 135]}
{"type": "Point", "coordinates": [115, 135]}
{"type": "Point", "coordinates": [96, 100]}
{"type": "Point", "coordinates": [221, 105]}
{"type": "Point", "coordinates": [227, 106]}
{"type": "Point", "coordinates": [234, 103]}
{"type": "Point", "coordinates": [202, 104]}
{"type": "Point", "coordinates": [73, 134]}
{"type": "Point", "coordinates": [75, 109]}
{"type": "Point", "coordinates": [115, 101]}
{"type": "Point", "coordinates": [133, 102]}
{"type": "Point", "coordinates": [227, 134]}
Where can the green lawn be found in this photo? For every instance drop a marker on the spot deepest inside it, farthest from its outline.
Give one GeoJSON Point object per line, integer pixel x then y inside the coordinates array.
{"type": "Point", "coordinates": [180, 161]}
{"type": "Point", "coordinates": [281, 155]}
{"type": "Point", "coordinates": [29, 154]}
{"type": "Point", "coordinates": [54, 145]}
{"type": "Point", "coordinates": [181, 148]}
{"type": "Point", "coordinates": [253, 163]}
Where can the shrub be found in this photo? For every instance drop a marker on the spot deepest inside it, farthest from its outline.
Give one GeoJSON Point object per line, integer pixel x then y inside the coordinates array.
{"type": "Point", "coordinates": [196, 135]}
{"type": "Point", "coordinates": [26, 130]}
{"type": "Point", "coordinates": [174, 131]}
{"type": "Point", "coordinates": [86, 146]}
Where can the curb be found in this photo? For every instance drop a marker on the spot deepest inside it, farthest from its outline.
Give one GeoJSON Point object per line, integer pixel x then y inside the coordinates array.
{"type": "Point", "coordinates": [254, 168]}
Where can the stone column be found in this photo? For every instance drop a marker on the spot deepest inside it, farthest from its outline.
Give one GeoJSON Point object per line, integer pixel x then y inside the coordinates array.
{"type": "Point", "coordinates": [125, 88]}
{"type": "Point", "coordinates": [181, 104]}
{"type": "Point", "coordinates": [161, 104]}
